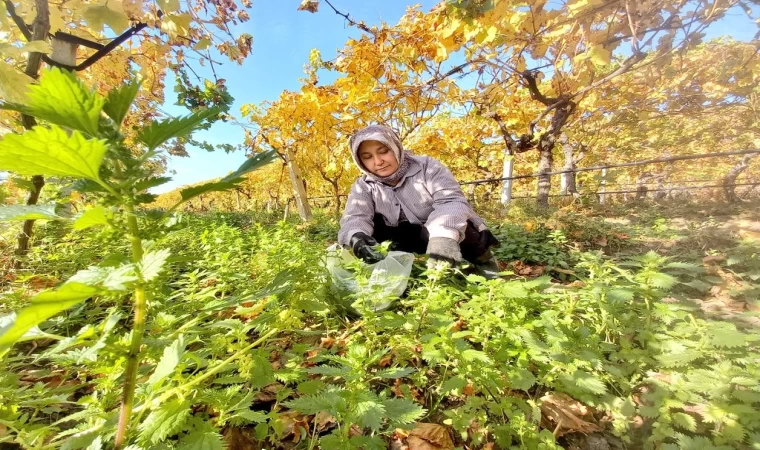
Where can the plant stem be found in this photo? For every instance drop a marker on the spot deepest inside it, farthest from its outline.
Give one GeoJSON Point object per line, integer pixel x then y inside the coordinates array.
{"type": "Point", "coordinates": [138, 329]}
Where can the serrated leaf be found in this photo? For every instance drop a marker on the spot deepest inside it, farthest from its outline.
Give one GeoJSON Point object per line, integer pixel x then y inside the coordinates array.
{"type": "Point", "coordinates": [330, 371]}
{"type": "Point", "coordinates": [395, 372]}
{"type": "Point", "coordinates": [91, 218]}
{"type": "Point", "coordinates": [401, 411]}
{"type": "Point", "coordinates": [62, 99]}
{"type": "Point", "coordinates": [454, 384]}
{"type": "Point", "coordinates": [171, 357]}
{"type": "Point", "coordinates": [475, 355]}
{"type": "Point", "coordinates": [679, 359]}
{"type": "Point", "coordinates": [161, 131]}
{"type": "Point", "coordinates": [650, 412]}
{"type": "Point", "coordinates": [684, 421]}
{"type": "Point", "coordinates": [120, 100]}
{"type": "Point", "coordinates": [168, 6]}
{"type": "Point", "coordinates": [727, 338]}
{"type": "Point", "coordinates": [52, 152]}
{"type": "Point", "coordinates": [620, 295]}
{"type": "Point", "coordinates": [369, 412]}
{"type": "Point", "coordinates": [152, 263]}
{"type": "Point", "coordinates": [522, 379]}
{"type": "Point", "coordinates": [23, 183]}
{"type": "Point", "coordinates": [43, 306]}
{"type": "Point", "coordinates": [589, 382]}
{"type": "Point", "coordinates": [202, 44]}
{"type": "Point", "coordinates": [252, 416]}
{"type": "Point", "coordinates": [192, 192]}
{"type": "Point", "coordinates": [109, 278]}
{"type": "Point", "coordinates": [662, 281]}
{"type": "Point", "coordinates": [330, 402]}
{"type": "Point", "coordinates": [698, 285]}
{"type": "Point", "coordinates": [688, 267]}
{"type": "Point", "coordinates": [599, 55]}
{"type": "Point", "coordinates": [165, 421]}
{"type": "Point", "coordinates": [29, 212]}
{"type": "Point", "coordinates": [150, 182]}
{"type": "Point", "coordinates": [256, 162]}
{"type": "Point", "coordinates": [176, 24]}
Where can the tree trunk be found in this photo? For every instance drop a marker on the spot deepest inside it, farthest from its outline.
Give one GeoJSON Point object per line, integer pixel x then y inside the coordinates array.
{"type": "Point", "coordinates": [40, 31]}
{"type": "Point", "coordinates": [545, 161]}
{"type": "Point", "coordinates": [299, 188]}
{"type": "Point", "coordinates": [568, 181]}
{"type": "Point", "coordinates": [730, 179]}
{"type": "Point", "coordinates": [506, 172]}
{"type": "Point", "coordinates": [237, 199]}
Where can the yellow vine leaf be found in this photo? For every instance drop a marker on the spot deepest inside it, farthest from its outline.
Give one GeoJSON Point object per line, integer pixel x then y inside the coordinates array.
{"type": "Point", "coordinates": [599, 55]}
{"type": "Point", "coordinates": [202, 44]}
{"type": "Point", "coordinates": [176, 25]}
{"type": "Point", "coordinates": [168, 6]}
{"type": "Point", "coordinates": [13, 84]}
{"type": "Point", "coordinates": [103, 14]}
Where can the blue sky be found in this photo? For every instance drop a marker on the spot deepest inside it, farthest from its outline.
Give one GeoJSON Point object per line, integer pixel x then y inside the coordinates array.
{"type": "Point", "coordinates": [282, 40]}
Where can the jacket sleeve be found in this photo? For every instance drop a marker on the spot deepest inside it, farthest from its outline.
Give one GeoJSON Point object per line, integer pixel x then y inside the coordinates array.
{"type": "Point", "coordinates": [450, 207]}
{"type": "Point", "coordinates": [358, 215]}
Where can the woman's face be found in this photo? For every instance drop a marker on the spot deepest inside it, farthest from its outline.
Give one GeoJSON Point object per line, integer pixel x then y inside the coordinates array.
{"type": "Point", "coordinates": [377, 158]}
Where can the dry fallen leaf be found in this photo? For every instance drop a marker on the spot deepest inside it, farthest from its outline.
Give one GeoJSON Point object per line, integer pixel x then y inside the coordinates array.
{"type": "Point", "coordinates": [564, 414]}
{"type": "Point", "coordinates": [238, 439]}
{"type": "Point", "coordinates": [430, 436]}
{"type": "Point", "coordinates": [324, 421]}
{"type": "Point", "coordinates": [309, 5]}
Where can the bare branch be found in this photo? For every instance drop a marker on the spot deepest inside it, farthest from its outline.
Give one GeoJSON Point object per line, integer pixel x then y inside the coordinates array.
{"type": "Point", "coordinates": [359, 25]}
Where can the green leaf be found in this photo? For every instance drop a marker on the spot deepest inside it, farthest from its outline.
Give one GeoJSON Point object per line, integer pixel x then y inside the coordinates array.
{"type": "Point", "coordinates": [475, 355]}
{"type": "Point", "coordinates": [159, 132]}
{"type": "Point", "coordinates": [684, 421]}
{"type": "Point", "coordinates": [402, 411]}
{"type": "Point", "coordinates": [62, 99]}
{"type": "Point", "coordinates": [251, 164]}
{"type": "Point", "coordinates": [329, 401]}
{"type": "Point", "coordinates": [395, 372]}
{"type": "Point", "coordinates": [688, 267]}
{"type": "Point", "coordinates": [698, 285]}
{"type": "Point", "coordinates": [120, 100]}
{"type": "Point", "coordinates": [14, 84]}
{"type": "Point", "coordinates": [109, 278]}
{"type": "Point", "coordinates": [23, 183]}
{"type": "Point", "coordinates": [52, 152]}
{"type": "Point", "coordinates": [369, 411]}
{"type": "Point", "coordinates": [152, 263]}
{"type": "Point", "coordinates": [44, 306]}
{"type": "Point", "coordinates": [252, 416]}
{"type": "Point", "coordinates": [191, 192]}
{"type": "Point", "coordinates": [91, 218]}
{"type": "Point", "coordinates": [330, 371]}
{"type": "Point", "coordinates": [173, 353]}
{"type": "Point", "coordinates": [679, 359]}
{"type": "Point", "coordinates": [454, 384]}
{"type": "Point", "coordinates": [29, 212]}
{"type": "Point", "coordinates": [662, 281]}
{"type": "Point", "coordinates": [620, 295]}
{"type": "Point", "coordinates": [522, 379]}
{"type": "Point", "coordinates": [150, 182]}
{"type": "Point", "coordinates": [165, 421]}
{"type": "Point", "coordinates": [589, 382]}
{"type": "Point", "coordinates": [728, 338]}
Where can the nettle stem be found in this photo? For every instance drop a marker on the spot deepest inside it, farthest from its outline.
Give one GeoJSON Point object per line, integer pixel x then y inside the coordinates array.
{"type": "Point", "coordinates": [138, 329]}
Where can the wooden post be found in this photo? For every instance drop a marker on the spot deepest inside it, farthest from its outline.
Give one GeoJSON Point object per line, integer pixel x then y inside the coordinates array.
{"type": "Point", "coordinates": [299, 188]}
{"type": "Point", "coordinates": [506, 172]}
{"type": "Point", "coordinates": [603, 188]}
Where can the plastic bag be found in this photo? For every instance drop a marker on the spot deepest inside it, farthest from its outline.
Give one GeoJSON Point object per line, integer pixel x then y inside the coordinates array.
{"type": "Point", "coordinates": [386, 282]}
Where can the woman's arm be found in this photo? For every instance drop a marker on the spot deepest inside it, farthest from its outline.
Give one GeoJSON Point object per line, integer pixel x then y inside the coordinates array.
{"type": "Point", "coordinates": [450, 207]}
{"type": "Point", "coordinates": [358, 215]}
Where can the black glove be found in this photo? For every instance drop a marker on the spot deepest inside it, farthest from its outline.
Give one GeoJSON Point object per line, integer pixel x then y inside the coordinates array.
{"type": "Point", "coordinates": [487, 240]}
{"type": "Point", "coordinates": [443, 250]}
{"type": "Point", "coordinates": [361, 245]}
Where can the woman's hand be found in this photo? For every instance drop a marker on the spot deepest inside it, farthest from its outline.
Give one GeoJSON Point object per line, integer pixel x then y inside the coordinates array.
{"type": "Point", "coordinates": [361, 245]}
{"type": "Point", "coordinates": [443, 251]}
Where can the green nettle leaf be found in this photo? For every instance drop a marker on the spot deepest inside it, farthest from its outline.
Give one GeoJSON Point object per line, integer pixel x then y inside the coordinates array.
{"type": "Point", "coordinates": [29, 212]}
{"type": "Point", "coordinates": [454, 384]}
{"type": "Point", "coordinates": [150, 182]}
{"type": "Point", "coordinates": [52, 152]}
{"type": "Point", "coordinates": [369, 411]}
{"type": "Point", "coordinates": [522, 379]}
{"type": "Point", "coordinates": [331, 371]}
{"type": "Point", "coordinates": [402, 411]}
{"type": "Point", "coordinates": [728, 338]}
{"type": "Point", "coordinates": [62, 99]}
{"type": "Point", "coordinates": [684, 421]}
{"type": "Point", "coordinates": [252, 416]}
{"type": "Point", "coordinates": [23, 183]}
{"type": "Point", "coordinates": [120, 100]}
{"type": "Point", "coordinates": [152, 263]}
{"type": "Point", "coordinates": [165, 421]}
{"type": "Point", "coordinates": [44, 306]}
{"type": "Point", "coordinates": [256, 162]}
{"type": "Point", "coordinates": [92, 217]}
{"type": "Point", "coordinates": [330, 402]}
{"type": "Point", "coordinates": [109, 278]}
{"type": "Point", "coordinates": [475, 355]}
{"type": "Point", "coordinates": [201, 440]}
{"type": "Point", "coordinates": [159, 132]}
{"type": "Point", "coordinates": [395, 372]}
{"type": "Point", "coordinates": [191, 192]}
{"type": "Point", "coordinates": [662, 280]}
{"type": "Point", "coordinates": [589, 382]}
{"type": "Point", "coordinates": [169, 361]}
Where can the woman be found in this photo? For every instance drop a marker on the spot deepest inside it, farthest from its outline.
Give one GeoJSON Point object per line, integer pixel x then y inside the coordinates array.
{"type": "Point", "coordinates": [413, 201]}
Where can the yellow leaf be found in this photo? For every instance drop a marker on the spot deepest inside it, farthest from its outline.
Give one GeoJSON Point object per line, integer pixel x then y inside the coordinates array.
{"type": "Point", "coordinates": [176, 25]}
{"type": "Point", "coordinates": [450, 28]}
{"type": "Point", "coordinates": [599, 55]}
{"type": "Point", "coordinates": [202, 44]}
{"type": "Point", "coordinates": [168, 6]}
{"type": "Point", "coordinates": [13, 83]}
{"type": "Point", "coordinates": [441, 54]}
{"type": "Point", "coordinates": [37, 46]}
{"type": "Point", "coordinates": [99, 15]}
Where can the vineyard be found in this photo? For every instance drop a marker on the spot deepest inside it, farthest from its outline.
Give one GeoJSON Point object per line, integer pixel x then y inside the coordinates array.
{"type": "Point", "coordinates": [625, 316]}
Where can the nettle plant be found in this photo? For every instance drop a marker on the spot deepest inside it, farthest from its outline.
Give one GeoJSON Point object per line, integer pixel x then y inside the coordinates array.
{"type": "Point", "coordinates": [81, 140]}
